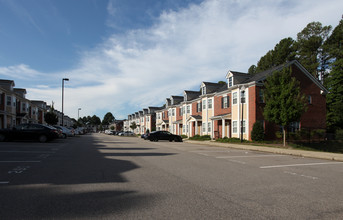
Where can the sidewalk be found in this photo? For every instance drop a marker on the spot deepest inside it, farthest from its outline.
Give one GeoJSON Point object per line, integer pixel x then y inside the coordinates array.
{"type": "Point", "coordinates": [294, 152]}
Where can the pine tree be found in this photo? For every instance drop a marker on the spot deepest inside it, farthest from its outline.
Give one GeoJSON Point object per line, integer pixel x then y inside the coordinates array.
{"type": "Point", "coordinates": [334, 46]}
{"type": "Point", "coordinates": [309, 42]}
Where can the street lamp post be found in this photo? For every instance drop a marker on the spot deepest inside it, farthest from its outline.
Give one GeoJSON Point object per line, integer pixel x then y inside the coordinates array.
{"type": "Point", "coordinates": [242, 101]}
{"type": "Point", "coordinates": [78, 113]}
{"type": "Point", "coordinates": [64, 79]}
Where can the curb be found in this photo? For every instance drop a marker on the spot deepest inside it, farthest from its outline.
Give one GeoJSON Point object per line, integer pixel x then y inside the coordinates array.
{"type": "Point", "coordinates": [293, 152]}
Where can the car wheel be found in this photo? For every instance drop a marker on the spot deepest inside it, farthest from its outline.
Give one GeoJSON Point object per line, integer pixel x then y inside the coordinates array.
{"type": "Point", "coordinates": [156, 140]}
{"type": "Point", "coordinates": [170, 140]}
{"type": "Point", "coordinates": [43, 138]}
{"type": "Point", "coordinates": [2, 137]}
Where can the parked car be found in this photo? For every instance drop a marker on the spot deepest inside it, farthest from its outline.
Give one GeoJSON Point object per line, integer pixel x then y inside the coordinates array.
{"type": "Point", "coordinates": [42, 133]}
{"type": "Point", "coordinates": [79, 130]}
{"type": "Point", "coordinates": [164, 135]}
{"type": "Point", "coordinates": [145, 136]}
{"type": "Point", "coordinates": [127, 133]}
{"type": "Point", "coordinates": [66, 132]}
{"type": "Point", "coordinates": [112, 132]}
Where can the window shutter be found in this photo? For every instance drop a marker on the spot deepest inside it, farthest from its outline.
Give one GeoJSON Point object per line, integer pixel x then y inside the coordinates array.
{"type": "Point", "coordinates": [223, 101]}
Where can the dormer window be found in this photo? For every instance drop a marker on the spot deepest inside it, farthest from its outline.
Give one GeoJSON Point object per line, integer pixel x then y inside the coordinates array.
{"type": "Point", "coordinates": [230, 81]}
{"type": "Point", "coordinates": [203, 90]}
{"type": "Point", "coordinates": [185, 97]}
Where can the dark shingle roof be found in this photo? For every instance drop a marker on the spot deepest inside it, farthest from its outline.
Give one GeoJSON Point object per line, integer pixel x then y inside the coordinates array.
{"type": "Point", "coordinates": [192, 95]}
{"type": "Point", "coordinates": [176, 99]}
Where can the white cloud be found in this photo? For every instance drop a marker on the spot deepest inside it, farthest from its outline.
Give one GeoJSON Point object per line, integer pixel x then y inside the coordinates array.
{"type": "Point", "coordinates": [200, 43]}
{"type": "Point", "coordinates": [20, 71]}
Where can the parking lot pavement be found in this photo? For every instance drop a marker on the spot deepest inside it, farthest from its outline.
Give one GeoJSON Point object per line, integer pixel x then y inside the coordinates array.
{"type": "Point", "coordinates": [293, 152]}
{"type": "Point", "coordinates": [19, 157]}
{"type": "Point", "coordinates": [293, 166]}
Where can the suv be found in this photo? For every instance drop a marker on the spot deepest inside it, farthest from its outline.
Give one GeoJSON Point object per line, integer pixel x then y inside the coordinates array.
{"type": "Point", "coordinates": [163, 135]}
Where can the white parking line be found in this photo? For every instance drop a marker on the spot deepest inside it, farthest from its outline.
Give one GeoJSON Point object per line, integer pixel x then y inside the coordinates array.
{"type": "Point", "coordinates": [208, 151]}
{"type": "Point", "coordinates": [301, 175]}
{"type": "Point", "coordinates": [237, 161]}
{"type": "Point", "coordinates": [268, 155]}
{"type": "Point", "coordinates": [20, 161]}
{"type": "Point", "coordinates": [296, 165]}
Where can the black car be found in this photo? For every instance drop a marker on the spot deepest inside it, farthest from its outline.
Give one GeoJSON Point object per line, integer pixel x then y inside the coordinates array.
{"type": "Point", "coordinates": [41, 133]}
{"type": "Point", "coordinates": [163, 135]}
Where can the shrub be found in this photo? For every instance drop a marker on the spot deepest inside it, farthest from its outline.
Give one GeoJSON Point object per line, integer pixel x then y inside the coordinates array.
{"type": "Point", "coordinates": [230, 140]}
{"type": "Point", "coordinates": [184, 136]}
{"type": "Point", "coordinates": [257, 133]}
{"type": "Point", "coordinates": [200, 138]}
{"type": "Point", "coordinates": [339, 134]}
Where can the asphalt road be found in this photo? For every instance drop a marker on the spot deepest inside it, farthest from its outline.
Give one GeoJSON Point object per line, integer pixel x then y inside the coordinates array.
{"type": "Point", "coordinates": [108, 177]}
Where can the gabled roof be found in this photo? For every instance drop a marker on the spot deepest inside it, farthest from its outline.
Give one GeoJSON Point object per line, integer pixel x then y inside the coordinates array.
{"type": "Point", "coordinates": [153, 109]}
{"type": "Point", "coordinates": [260, 77]}
{"type": "Point", "coordinates": [174, 100]}
{"type": "Point", "coordinates": [7, 84]}
{"type": "Point", "coordinates": [213, 87]}
{"type": "Point", "coordinates": [195, 118]}
{"type": "Point", "coordinates": [191, 94]}
{"type": "Point", "coordinates": [238, 77]}
{"type": "Point", "coordinates": [21, 92]}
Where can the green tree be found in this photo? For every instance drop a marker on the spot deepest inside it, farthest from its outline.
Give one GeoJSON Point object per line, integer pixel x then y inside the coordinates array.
{"type": "Point", "coordinates": [95, 120]}
{"type": "Point", "coordinates": [334, 46]}
{"type": "Point", "coordinates": [310, 51]}
{"type": "Point", "coordinates": [133, 126]}
{"type": "Point", "coordinates": [108, 119]}
{"type": "Point", "coordinates": [283, 52]}
{"type": "Point", "coordinates": [252, 70]}
{"type": "Point", "coordinates": [257, 133]}
{"type": "Point", "coordinates": [51, 118]}
{"type": "Point", "coordinates": [284, 101]}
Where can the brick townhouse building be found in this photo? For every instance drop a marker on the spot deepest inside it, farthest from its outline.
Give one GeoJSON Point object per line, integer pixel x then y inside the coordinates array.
{"type": "Point", "coordinates": [16, 109]}
{"type": "Point", "coordinates": [230, 109]}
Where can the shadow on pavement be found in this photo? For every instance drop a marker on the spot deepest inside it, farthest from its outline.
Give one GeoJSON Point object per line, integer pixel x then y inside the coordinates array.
{"type": "Point", "coordinates": [77, 181]}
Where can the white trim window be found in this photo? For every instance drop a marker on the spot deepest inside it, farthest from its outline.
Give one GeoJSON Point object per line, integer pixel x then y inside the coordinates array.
{"type": "Point", "coordinates": [204, 127]}
{"type": "Point", "coordinates": [203, 90]}
{"type": "Point", "coordinates": [243, 126]}
{"type": "Point", "coordinates": [204, 105]}
{"type": "Point", "coordinates": [188, 109]}
{"type": "Point", "coordinates": [209, 103]}
{"type": "Point", "coordinates": [209, 127]}
{"type": "Point", "coordinates": [234, 127]}
{"type": "Point", "coordinates": [234, 98]}
{"type": "Point", "coordinates": [230, 81]}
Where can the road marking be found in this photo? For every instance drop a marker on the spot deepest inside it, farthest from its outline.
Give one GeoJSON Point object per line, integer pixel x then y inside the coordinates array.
{"type": "Point", "coordinates": [21, 161]}
{"type": "Point", "coordinates": [209, 151]}
{"type": "Point", "coordinates": [296, 174]}
{"type": "Point", "coordinates": [224, 157]}
{"type": "Point", "coordinates": [237, 161]}
{"type": "Point", "coordinates": [297, 165]}
{"type": "Point", "coordinates": [4, 182]}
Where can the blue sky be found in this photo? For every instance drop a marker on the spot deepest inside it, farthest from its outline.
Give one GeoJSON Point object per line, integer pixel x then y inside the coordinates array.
{"type": "Point", "coordinates": [125, 55]}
